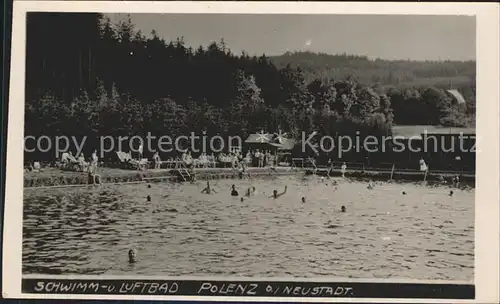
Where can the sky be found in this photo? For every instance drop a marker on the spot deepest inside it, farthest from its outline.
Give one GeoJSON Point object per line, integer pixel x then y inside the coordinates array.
{"type": "Point", "coordinates": [376, 36]}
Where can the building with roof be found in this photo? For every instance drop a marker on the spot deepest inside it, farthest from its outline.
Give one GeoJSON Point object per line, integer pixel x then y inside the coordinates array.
{"type": "Point", "coordinates": [268, 141]}
{"type": "Point", "coordinates": [459, 99]}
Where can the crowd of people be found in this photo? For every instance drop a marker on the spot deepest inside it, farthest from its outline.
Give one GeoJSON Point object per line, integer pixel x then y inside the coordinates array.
{"type": "Point", "coordinates": [234, 158]}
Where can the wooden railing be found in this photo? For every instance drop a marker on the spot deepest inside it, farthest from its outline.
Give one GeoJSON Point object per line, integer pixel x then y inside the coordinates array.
{"type": "Point", "coordinates": [304, 163]}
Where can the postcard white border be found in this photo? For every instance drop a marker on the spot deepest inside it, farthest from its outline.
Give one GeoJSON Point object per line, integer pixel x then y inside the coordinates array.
{"type": "Point", "coordinates": [487, 232]}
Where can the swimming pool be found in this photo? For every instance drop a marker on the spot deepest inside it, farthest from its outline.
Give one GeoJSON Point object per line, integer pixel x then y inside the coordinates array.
{"type": "Point", "coordinates": [425, 234]}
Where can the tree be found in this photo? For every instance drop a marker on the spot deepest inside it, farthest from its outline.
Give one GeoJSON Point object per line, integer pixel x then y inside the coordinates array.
{"type": "Point", "coordinates": [100, 94]}
{"type": "Point", "coordinates": [298, 99]}
{"type": "Point", "coordinates": [366, 103]}
{"type": "Point", "coordinates": [346, 97]}
{"type": "Point", "coordinates": [324, 94]}
{"type": "Point", "coordinates": [47, 116]}
{"type": "Point", "coordinates": [84, 114]}
{"type": "Point", "coordinates": [247, 108]}
{"type": "Point", "coordinates": [85, 122]}
{"type": "Point", "coordinates": [166, 116]}
{"type": "Point", "coordinates": [132, 116]}
{"type": "Point", "coordinates": [109, 114]}
{"type": "Point", "coordinates": [385, 108]}
{"type": "Point", "coordinates": [247, 91]}
{"type": "Point", "coordinates": [437, 104]}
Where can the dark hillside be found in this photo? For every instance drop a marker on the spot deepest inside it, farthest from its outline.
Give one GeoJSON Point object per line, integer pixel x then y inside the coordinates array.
{"type": "Point", "coordinates": [400, 73]}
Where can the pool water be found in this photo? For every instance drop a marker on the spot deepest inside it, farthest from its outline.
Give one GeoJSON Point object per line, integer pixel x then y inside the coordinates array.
{"type": "Point", "coordinates": [425, 234]}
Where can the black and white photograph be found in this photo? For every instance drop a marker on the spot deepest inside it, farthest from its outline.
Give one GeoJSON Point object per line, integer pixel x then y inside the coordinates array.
{"type": "Point", "coordinates": [248, 146]}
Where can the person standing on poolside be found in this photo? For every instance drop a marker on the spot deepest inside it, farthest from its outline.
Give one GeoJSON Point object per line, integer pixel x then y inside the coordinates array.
{"type": "Point", "coordinates": [257, 158]}
{"type": "Point", "coordinates": [140, 150]}
{"type": "Point", "coordinates": [157, 160]}
{"type": "Point", "coordinates": [423, 165]}
{"type": "Point", "coordinates": [95, 159]}
{"type": "Point", "coordinates": [93, 177]}
{"type": "Point", "coordinates": [330, 168]}
{"type": "Point", "coordinates": [343, 169]}
{"type": "Point", "coordinates": [248, 158]}
{"type": "Point", "coordinates": [261, 159]}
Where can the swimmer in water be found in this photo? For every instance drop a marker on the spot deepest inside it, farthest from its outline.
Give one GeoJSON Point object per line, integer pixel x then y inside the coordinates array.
{"type": "Point", "coordinates": [303, 199]}
{"type": "Point", "coordinates": [451, 193]}
{"type": "Point", "coordinates": [242, 199]}
{"type": "Point", "coordinates": [342, 209]}
{"type": "Point", "coordinates": [233, 191]}
{"type": "Point", "coordinates": [132, 256]}
{"type": "Point", "coordinates": [370, 185]}
{"type": "Point", "coordinates": [276, 194]}
{"type": "Point", "coordinates": [404, 193]}
{"type": "Point", "coordinates": [148, 198]}
{"type": "Point", "coordinates": [208, 189]}
{"type": "Point", "coordinates": [250, 191]}
{"type": "Point", "coordinates": [149, 186]}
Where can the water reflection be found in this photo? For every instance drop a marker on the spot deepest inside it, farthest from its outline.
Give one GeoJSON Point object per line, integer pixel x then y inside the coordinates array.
{"type": "Point", "coordinates": [424, 234]}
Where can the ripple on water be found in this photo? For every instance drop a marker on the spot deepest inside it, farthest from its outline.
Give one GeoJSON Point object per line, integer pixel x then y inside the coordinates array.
{"type": "Point", "coordinates": [425, 234]}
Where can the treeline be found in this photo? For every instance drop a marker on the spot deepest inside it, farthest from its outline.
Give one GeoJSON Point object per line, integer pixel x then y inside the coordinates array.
{"type": "Point", "coordinates": [401, 73]}
{"type": "Point", "coordinates": [88, 77]}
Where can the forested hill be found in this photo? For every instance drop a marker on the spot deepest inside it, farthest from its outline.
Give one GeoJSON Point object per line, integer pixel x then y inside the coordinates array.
{"type": "Point", "coordinates": [87, 75]}
{"type": "Point", "coordinates": [399, 73]}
